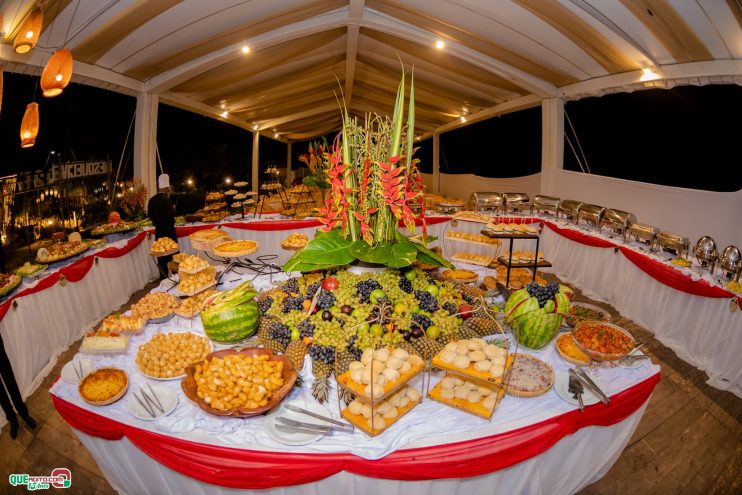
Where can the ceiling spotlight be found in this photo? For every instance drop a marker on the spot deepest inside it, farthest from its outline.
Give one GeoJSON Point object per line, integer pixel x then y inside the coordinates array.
{"type": "Point", "coordinates": [224, 114]}
{"type": "Point", "coordinates": [228, 180]}
{"type": "Point", "coordinates": [649, 74]}
{"type": "Point", "coordinates": [440, 44]}
{"type": "Point", "coordinates": [462, 119]}
{"type": "Point", "coordinates": [223, 105]}
{"type": "Point", "coordinates": [255, 127]}
{"type": "Point", "coordinates": [245, 49]}
{"type": "Point", "coordinates": [275, 135]}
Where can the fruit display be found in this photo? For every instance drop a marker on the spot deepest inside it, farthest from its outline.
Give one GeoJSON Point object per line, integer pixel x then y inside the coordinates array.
{"type": "Point", "coordinates": [191, 283]}
{"type": "Point", "coordinates": [191, 306]}
{"type": "Point", "coordinates": [167, 355]}
{"type": "Point", "coordinates": [103, 341]}
{"type": "Point", "coordinates": [163, 245]}
{"type": "Point", "coordinates": [232, 315]}
{"type": "Point", "coordinates": [471, 237]}
{"type": "Point", "coordinates": [537, 312]}
{"type": "Point", "coordinates": [9, 282]}
{"type": "Point", "coordinates": [569, 351]}
{"type": "Point", "coordinates": [340, 315]}
{"type": "Point", "coordinates": [238, 381]}
{"type": "Point", "coordinates": [235, 249]}
{"type": "Point", "coordinates": [380, 372]}
{"type": "Point", "coordinates": [112, 227]}
{"type": "Point", "coordinates": [467, 395]}
{"type": "Point", "coordinates": [474, 358]}
{"type": "Point", "coordinates": [375, 418]}
{"type": "Point", "coordinates": [103, 386]}
{"type": "Point", "coordinates": [60, 251]}
{"type": "Point", "coordinates": [603, 341]}
{"type": "Point", "coordinates": [121, 323]}
{"type": "Point", "coordinates": [155, 305]}
{"type": "Point", "coordinates": [473, 258]}
{"type": "Point", "coordinates": [295, 241]}
{"type": "Point", "coordinates": [529, 377]}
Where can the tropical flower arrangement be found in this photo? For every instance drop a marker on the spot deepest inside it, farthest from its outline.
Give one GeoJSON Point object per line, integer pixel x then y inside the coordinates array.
{"type": "Point", "coordinates": [314, 160]}
{"type": "Point", "coordinates": [134, 199]}
{"type": "Point", "coordinates": [374, 181]}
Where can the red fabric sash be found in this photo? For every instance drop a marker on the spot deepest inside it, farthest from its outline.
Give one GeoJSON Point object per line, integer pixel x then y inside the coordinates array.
{"type": "Point", "coordinates": [250, 469]}
{"type": "Point", "coordinates": [75, 271]}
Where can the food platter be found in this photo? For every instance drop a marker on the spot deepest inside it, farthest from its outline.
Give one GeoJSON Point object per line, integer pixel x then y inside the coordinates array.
{"type": "Point", "coordinates": [147, 353]}
{"type": "Point", "coordinates": [610, 334]}
{"type": "Point", "coordinates": [29, 271]}
{"type": "Point", "coordinates": [235, 249]}
{"type": "Point", "coordinates": [296, 438]}
{"type": "Point", "coordinates": [529, 377]}
{"type": "Point", "coordinates": [66, 251]}
{"type": "Point", "coordinates": [561, 387]}
{"type": "Point", "coordinates": [579, 311]}
{"type": "Point", "coordinates": [568, 350]}
{"type": "Point", "coordinates": [12, 281]}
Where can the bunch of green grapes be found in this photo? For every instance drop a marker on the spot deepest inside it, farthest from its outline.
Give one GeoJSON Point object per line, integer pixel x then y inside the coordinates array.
{"type": "Point", "coordinates": [306, 280]}
{"type": "Point", "coordinates": [275, 309]}
{"type": "Point", "coordinates": [329, 333]}
{"type": "Point", "coordinates": [448, 324]}
{"type": "Point", "coordinates": [421, 281]}
{"type": "Point", "coordinates": [366, 339]}
{"type": "Point", "coordinates": [292, 318]}
{"type": "Point", "coordinates": [345, 293]}
{"type": "Point", "coordinates": [362, 311]}
{"type": "Point", "coordinates": [402, 322]}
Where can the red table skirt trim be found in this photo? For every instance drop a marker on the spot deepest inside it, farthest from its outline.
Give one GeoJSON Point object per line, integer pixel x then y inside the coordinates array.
{"type": "Point", "coordinates": [75, 271]}
{"type": "Point", "coordinates": [250, 469]}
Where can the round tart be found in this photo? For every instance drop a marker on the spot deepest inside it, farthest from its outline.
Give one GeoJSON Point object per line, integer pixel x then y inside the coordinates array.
{"type": "Point", "coordinates": [103, 386]}
{"type": "Point", "coordinates": [529, 376]}
{"type": "Point", "coordinates": [234, 249]}
{"type": "Point", "coordinates": [569, 351]}
{"type": "Point", "coordinates": [459, 275]}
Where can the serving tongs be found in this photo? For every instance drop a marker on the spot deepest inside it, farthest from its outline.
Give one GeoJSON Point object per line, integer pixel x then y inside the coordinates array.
{"type": "Point", "coordinates": [575, 388]}
{"type": "Point", "coordinates": [588, 382]}
{"type": "Point", "coordinates": [308, 427]}
{"type": "Point", "coordinates": [338, 424]}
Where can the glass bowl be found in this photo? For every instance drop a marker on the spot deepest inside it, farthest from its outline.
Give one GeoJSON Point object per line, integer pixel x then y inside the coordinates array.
{"type": "Point", "coordinates": [605, 330]}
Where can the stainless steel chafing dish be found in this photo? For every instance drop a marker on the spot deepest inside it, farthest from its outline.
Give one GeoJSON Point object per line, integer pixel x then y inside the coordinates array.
{"type": "Point", "coordinates": [515, 202]}
{"type": "Point", "coordinates": [643, 233]}
{"type": "Point", "coordinates": [543, 204]}
{"type": "Point", "coordinates": [618, 221]}
{"type": "Point", "coordinates": [590, 214]}
{"type": "Point", "coordinates": [730, 262]}
{"type": "Point", "coordinates": [672, 243]}
{"type": "Point", "coordinates": [487, 201]}
{"type": "Point", "coordinates": [569, 208]}
{"type": "Point", "coordinates": [706, 254]}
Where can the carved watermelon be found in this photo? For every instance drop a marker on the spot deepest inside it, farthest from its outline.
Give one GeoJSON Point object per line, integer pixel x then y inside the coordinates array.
{"type": "Point", "coordinates": [114, 217]}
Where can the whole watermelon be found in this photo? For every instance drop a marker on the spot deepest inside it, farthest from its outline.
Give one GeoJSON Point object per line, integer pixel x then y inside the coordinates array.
{"type": "Point", "coordinates": [537, 313]}
{"type": "Point", "coordinates": [231, 316]}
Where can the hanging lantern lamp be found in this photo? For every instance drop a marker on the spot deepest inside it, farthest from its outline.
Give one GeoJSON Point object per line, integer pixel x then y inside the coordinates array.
{"type": "Point", "coordinates": [29, 33]}
{"type": "Point", "coordinates": [30, 125]}
{"type": "Point", "coordinates": [1, 87]}
{"type": "Point", "coordinates": [57, 73]}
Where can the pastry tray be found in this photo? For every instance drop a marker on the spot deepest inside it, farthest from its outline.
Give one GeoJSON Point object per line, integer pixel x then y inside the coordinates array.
{"type": "Point", "coordinates": [476, 409]}
{"type": "Point", "coordinates": [542, 263]}
{"type": "Point", "coordinates": [472, 374]}
{"type": "Point", "coordinates": [196, 291]}
{"type": "Point", "coordinates": [480, 262]}
{"type": "Point", "coordinates": [166, 253]}
{"type": "Point", "coordinates": [363, 424]}
{"type": "Point", "coordinates": [194, 272]}
{"type": "Point", "coordinates": [481, 243]}
{"type": "Point", "coordinates": [389, 388]}
{"type": "Point", "coordinates": [105, 351]}
{"type": "Point", "coordinates": [136, 331]}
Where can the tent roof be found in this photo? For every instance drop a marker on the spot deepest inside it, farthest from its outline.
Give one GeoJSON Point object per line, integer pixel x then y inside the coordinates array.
{"type": "Point", "coordinates": [498, 54]}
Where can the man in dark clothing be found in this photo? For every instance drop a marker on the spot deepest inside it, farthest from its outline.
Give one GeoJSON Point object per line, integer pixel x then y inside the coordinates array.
{"type": "Point", "coordinates": [162, 213]}
{"type": "Point", "coordinates": [12, 396]}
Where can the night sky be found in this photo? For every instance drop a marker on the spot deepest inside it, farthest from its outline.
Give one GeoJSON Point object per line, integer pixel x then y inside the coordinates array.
{"type": "Point", "coordinates": [645, 136]}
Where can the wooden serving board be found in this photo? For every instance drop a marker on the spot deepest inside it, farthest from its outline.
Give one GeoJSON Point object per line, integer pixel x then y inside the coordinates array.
{"type": "Point", "coordinates": [357, 389]}
{"type": "Point", "coordinates": [362, 423]}
{"type": "Point", "coordinates": [476, 409]}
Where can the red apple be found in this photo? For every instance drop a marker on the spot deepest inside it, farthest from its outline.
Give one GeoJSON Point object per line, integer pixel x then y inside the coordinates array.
{"type": "Point", "coordinates": [465, 310]}
{"type": "Point", "coordinates": [330, 283]}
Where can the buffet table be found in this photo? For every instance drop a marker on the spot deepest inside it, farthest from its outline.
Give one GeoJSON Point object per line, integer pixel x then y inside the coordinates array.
{"type": "Point", "coordinates": [529, 444]}
{"type": "Point", "coordinates": [42, 318]}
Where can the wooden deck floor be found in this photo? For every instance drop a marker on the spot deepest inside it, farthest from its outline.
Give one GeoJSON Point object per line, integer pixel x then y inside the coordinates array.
{"type": "Point", "coordinates": [688, 442]}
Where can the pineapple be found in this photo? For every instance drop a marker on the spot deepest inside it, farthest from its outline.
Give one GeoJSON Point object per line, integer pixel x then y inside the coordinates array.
{"type": "Point", "coordinates": [296, 350]}
{"type": "Point", "coordinates": [427, 348]}
{"type": "Point", "coordinates": [275, 346]}
{"type": "Point", "coordinates": [466, 332]}
{"type": "Point", "coordinates": [321, 384]}
{"type": "Point", "coordinates": [482, 326]}
{"type": "Point", "coordinates": [471, 294]}
{"type": "Point", "coordinates": [345, 395]}
{"type": "Point", "coordinates": [342, 362]}
{"type": "Point", "coordinates": [408, 347]}
{"type": "Point", "coordinates": [262, 335]}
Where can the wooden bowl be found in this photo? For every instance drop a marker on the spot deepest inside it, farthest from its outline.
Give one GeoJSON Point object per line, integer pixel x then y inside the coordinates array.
{"type": "Point", "coordinates": [289, 377]}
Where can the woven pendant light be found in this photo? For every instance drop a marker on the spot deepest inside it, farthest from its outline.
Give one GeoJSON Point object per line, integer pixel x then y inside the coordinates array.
{"type": "Point", "coordinates": [29, 33]}
{"type": "Point", "coordinates": [30, 125]}
{"type": "Point", "coordinates": [1, 87]}
{"type": "Point", "coordinates": [57, 73]}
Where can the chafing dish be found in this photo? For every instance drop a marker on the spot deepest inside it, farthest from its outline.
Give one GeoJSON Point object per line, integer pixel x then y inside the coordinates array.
{"type": "Point", "coordinates": [643, 233]}
{"type": "Point", "coordinates": [515, 202]}
{"type": "Point", "coordinates": [730, 262]}
{"type": "Point", "coordinates": [672, 243]}
{"type": "Point", "coordinates": [590, 214]}
{"type": "Point", "coordinates": [569, 208]}
{"type": "Point", "coordinates": [544, 204]}
{"type": "Point", "coordinates": [618, 221]}
{"type": "Point", "coordinates": [706, 254]}
{"type": "Point", "coordinates": [487, 201]}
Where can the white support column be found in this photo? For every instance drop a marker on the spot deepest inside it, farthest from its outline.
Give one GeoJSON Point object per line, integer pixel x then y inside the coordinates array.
{"type": "Point", "coordinates": [552, 140]}
{"type": "Point", "coordinates": [436, 163]}
{"type": "Point", "coordinates": [145, 142]}
{"type": "Point", "coordinates": [289, 172]}
{"type": "Point", "coordinates": [255, 160]}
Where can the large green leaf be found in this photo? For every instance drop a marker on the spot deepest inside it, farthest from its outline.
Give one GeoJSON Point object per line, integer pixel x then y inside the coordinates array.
{"type": "Point", "coordinates": [326, 250]}
{"type": "Point", "coordinates": [424, 254]}
{"type": "Point", "coordinates": [392, 254]}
